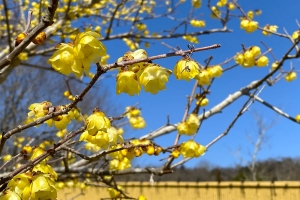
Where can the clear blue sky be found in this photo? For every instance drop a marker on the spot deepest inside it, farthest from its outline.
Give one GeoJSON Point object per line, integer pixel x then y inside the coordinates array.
{"type": "Point", "coordinates": [282, 139]}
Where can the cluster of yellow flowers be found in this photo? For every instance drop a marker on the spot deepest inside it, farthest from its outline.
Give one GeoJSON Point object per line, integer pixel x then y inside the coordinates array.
{"type": "Point", "coordinates": [136, 121]}
{"type": "Point", "coordinates": [130, 79]}
{"type": "Point", "coordinates": [215, 12]}
{"type": "Point", "coordinates": [268, 29]}
{"type": "Point", "coordinates": [77, 56]}
{"type": "Point", "coordinates": [99, 131]}
{"type": "Point", "coordinates": [201, 100]}
{"type": "Point", "coordinates": [188, 69]}
{"type": "Point", "coordinates": [131, 44]}
{"type": "Point", "coordinates": [190, 126]}
{"type": "Point", "coordinates": [251, 57]}
{"type": "Point", "coordinates": [36, 184]}
{"type": "Point", "coordinates": [38, 110]}
{"type": "Point", "coordinates": [121, 159]}
{"type": "Point", "coordinates": [189, 149]}
{"type": "Point", "coordinates": [248, 25]}
{"type": "Point", "coordinates": [72, 183]}
{"type": "Point", "coordinates": [289, 76]}
{"type": "Point", "coordinates": [197, 23]}
{"type": "Point", "coordinates": [192, 39]}
{"type": "Point", "coordinates": [113, 193]}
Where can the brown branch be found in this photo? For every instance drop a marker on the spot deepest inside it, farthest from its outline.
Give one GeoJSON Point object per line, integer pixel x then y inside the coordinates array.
{"type": "Point", "coordinates": [31, 163]}
{"type": "Point", "coordinates": [47, 20]}
{"type": "Point", "coordinates": [7, 25]}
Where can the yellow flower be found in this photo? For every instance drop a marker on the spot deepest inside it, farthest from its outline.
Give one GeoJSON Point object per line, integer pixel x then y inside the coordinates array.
{"type": "Point", "coordinates": [132, 45]}
{"type": "Point", "coordinates": [191, 149]}
{"type": "Point", "coordinates": [38, 110]}
{"type": "Point", "coordinates": [37, 151]}
{"type": "Point", "coordinates": [26, 149]}
{"type": "Point", "coordinates": [20, 185]}
{"type": "Point", "coordinates": [202, 102]}
{"type": "Point", "coordinates": [249, 26]}
{"type": "Point", "coordinates": [186, 69]}
{"type": "Point", "coordinates": [114, 136]}
{"type": "Point", "coordinates": [274, 65]}
{"type": "Point", "coordinates": [61, 133]}
{"type": "Point", "coordinates": [296, 34]}
{"type": "Point", "coordinates": [289, 77]}
{"type": "Point", "coordinates": [183, 128]}
{"type": "Point", "coordinates": [23, 56]}
{"type": "Point", "coordinates": [92, 147]}
{"type": "Point", "coordinates": [221, 3]}
{"type": "Point", "coordinates": [65, 61]}
{"type": "Point", "coordinates": [7, 157]}
{"type": "Point", "coordinates": [104, 59]}
{"type": "Point", "coordinates": [61, 121]}
{"type": "Point", "coordinates": [175, 153]}
{"type": "Point", "coordinates": [154, 78]}
{"type": "Point", "coordinates": [101, 139]}
{"type": "Point", "coordinates": [268, 28]}
{"type": "Point", "coordinates": [193, 123]}
{"type": "Point", "coordinates": [142, 197]}
{"type": "Point", "coordinates": [248, 63]}
{"type": "Point", "coordinates": [137, 122]}
{"type": "Point", "coordinates": [258, 12]}
{"type": "Point", "coordinates": [255, 50]}
{"type": "Point", "coordinates": [248, 55]}
{"type": "Point", "coordinates": [196, 3]}
{"type": "Point", "coordinates": [89, 49]}
{"type": "Point", "coordinates": [250, 14]}
{"type": "Point", "coordinates": [127, 83]}
{"type": "Point", "coordinates": [239, 58]}
{"type": "Point", "coordinates": [45, 169]}
{"type": "Point", "coordinates": [297, 118]}
{"type": "Point", "coordinates": [192, 39]}
{"type": "Point", "coordinates": [215, 12]}
{"type": "Point", "coordinates": [190, 126]}
{"type": "Point", "coordinates": [197, 23]}
{"type": "Point", "coordinates": [132, 112]}
{"type": "Point", "coordinates": [113, 193]}
{"type": "Point", "coordinates": [215, 71]}
{"type": "Point", "coordinates": [141, 26]}
{"type": "Point", "coordinates": [43, 187]}
{"type": "Point", "coordinates": [231, 6]}
{"type": "Point", "coordinates": [97, 122]}
{"type": "Point", "coordinates": [203, 77]}
{"type": "Point", "coordinates": [262, 61]}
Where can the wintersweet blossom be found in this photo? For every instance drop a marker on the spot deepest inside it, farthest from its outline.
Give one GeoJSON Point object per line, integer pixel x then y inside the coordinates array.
{"type": "Point", "coordinates": [97, 122]}
{"type": "Point", "coordinates": [191, 149]}
{"type": "Point", "coordinates": [64, 60]}
{"type": "Point", "coordinates": [186, 69]}
{"type": "Point", "coordinates": [289, 77]}
{"type": "Point", "coordinates": [154, 78]}
{"type": "Point", "coordinates": [127, 83]}
{"type": "Point", "coordinates": [77, 57]}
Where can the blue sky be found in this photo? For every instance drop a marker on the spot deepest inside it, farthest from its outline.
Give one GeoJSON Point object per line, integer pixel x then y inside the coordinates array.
{"type": "Point", "coordinates": [283, 137]}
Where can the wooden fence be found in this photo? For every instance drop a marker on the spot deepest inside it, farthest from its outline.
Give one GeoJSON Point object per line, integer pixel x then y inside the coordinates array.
{"type": "Point", "coordinates": [194, 190]}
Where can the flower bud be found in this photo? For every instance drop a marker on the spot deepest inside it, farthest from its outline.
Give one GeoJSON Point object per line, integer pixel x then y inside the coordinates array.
{"type": "Point", "coordinates": [40, 38]}
{"type": "Point", "coordinates": [20, 38]}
